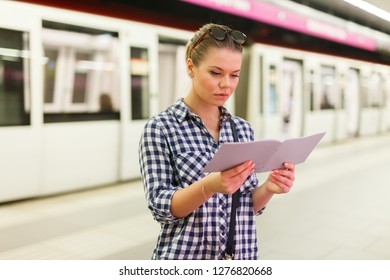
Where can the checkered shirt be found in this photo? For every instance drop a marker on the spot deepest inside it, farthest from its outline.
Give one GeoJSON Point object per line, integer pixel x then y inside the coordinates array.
{"type": "Point", "coordinates": [175, 145]}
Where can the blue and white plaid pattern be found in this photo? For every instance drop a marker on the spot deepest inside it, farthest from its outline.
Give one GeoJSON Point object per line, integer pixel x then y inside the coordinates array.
{"type": "Point", "coordinates": [174, 147]}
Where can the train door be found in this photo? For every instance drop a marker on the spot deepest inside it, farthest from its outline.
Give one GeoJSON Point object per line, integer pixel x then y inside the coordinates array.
{"type": "Point", "coordinates": [270, 103]}
{"type": "Point", "coordinates": [340, 115]}
{"type": "Point", "coordinates": [263, 98]}
{"type": "Point", "coordinates": [20, 121]}
{"type": "Point", "coordinates": [370, 101]}
{"type": "Point", "coordinates": [274, 105]}
{"type": "Point", "coordinates": [352, 102]}
{"type": "Point", "coordinates": [81, 86]}
{"type": "Point", "coordinates": [386, 114]}
{"type": "Point", "coordinates": [174, 82]}
{"type": "Point", "coordinates": [139, 95]}
{"type": "Point", "coordinates": [253, 99]}
{"type": "Point", "coordinates": [291, 98]}
{"type": "Point", "coordinates": [321, 98]}
{"type": "Point", "coordinates": [379, 97]}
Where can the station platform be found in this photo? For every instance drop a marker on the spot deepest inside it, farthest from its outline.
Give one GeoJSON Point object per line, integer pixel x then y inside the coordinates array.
{"type": "Point", "coordinates": [338, 209]}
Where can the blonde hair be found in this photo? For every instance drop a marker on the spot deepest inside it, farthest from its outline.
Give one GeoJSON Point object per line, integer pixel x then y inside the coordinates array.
{"type": "Point", "coordinates": [197, 50]}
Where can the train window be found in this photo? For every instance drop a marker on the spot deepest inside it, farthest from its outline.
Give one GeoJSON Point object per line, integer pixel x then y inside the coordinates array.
{"type": "Point", "coordinates": [372, 90]}
{"type": "Point", "coordinates": [311, 90]}
{"type": "Point", "coordinates": [14, 78]}
{"type": "Point", "coordinates": [172, 87]}
{"type": "Point", "coordinates": [342, 91]}
{"type": "Point", "coordinates": [365, 87]}
{"type": "Point", "coordinates": [139, 76]}
{"type": "Point", "coordinates": [50, 73]}
{"type": "Point", "coordinates": [352, 102]}
{"type": "Point", "coordinates": [328, 87]}
{"type": "Point", "coordinates": [291, 96]}
{"type": "Point", "coordinates": [288, 91]}
{"type": "Point", "coordinates": [376, 93]}
{"type": "Point", "coordinates": [273, 102]}
{"type": "Point", "coordinates": [387, 92]}
{"type": "Point", "coordinates": [80, 73]}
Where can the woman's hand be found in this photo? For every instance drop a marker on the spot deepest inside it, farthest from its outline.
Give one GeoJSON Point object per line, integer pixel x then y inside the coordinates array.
{"type": "Point", "coordinates": [186, 200]}
{"type": "Point", "coordinates": [281, 180]}
{"type": "Point", "coordinates": [228, 181]}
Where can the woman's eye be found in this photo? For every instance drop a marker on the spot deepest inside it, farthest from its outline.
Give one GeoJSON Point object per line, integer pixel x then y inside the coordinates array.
{"type": "Point", "coordinates": [235, 75]}
{"type": "Point", "coordinates": [215, 73]}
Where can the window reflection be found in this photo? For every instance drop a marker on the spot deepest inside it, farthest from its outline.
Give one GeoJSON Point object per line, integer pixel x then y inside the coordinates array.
{"type": "Point", "coordinates": [50, 73]}
{"type": "Point", "coordinates": [80, 78]}
{"type": "Point", "coordinates": [328, 87]}
{"type": "Point", "coordinates": [272, 90]}
{"type": "Point", "coordinates": [139, 74]}
{"type": "Point", "coordinates": [14, 75]}
{"type": "Point", "coordinates": [376, 94]}
{"type": "Point", "coordinates": [312, 90]}
{"type": "Point", "coordinates": [80, 66]}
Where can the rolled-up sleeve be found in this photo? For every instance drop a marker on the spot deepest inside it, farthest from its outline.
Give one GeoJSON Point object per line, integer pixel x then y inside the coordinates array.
{"type": "Point", "coordinates": [156, 172]}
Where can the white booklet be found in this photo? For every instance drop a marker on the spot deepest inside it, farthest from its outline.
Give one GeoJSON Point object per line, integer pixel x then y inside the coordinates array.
{"type": "Point", "coordinates": [266, 154]}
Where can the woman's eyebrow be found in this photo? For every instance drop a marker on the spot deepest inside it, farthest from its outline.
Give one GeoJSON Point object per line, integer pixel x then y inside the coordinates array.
{"type": "Point", "coordinates": [221, 69]}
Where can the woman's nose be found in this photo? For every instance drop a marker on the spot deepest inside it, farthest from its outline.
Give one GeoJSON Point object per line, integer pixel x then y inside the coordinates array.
{"type": "Point", "coordinates": [225, 82]}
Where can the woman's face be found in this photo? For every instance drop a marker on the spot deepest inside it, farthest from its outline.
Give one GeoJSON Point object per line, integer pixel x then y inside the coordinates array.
{"type": "Point", "coordinates": [217, 75]}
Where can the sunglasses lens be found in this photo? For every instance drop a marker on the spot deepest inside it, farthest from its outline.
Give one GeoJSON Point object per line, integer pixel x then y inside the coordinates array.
{"type": "Point", "coordinates": [218, 33]}
{"type": "Point", "coordinates": [238, 36]}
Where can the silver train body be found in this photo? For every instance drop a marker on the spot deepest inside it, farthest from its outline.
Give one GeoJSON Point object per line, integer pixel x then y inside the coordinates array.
{"type": "Point", "coordinates": [76, 90]}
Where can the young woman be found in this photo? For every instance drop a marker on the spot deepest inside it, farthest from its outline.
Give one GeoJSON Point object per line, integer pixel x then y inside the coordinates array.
{"type": "Point", "coordinates": [193, 207]}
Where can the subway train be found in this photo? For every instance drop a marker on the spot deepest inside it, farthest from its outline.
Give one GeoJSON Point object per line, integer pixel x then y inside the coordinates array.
{"type": "Point", "coordinates": [76, 90]}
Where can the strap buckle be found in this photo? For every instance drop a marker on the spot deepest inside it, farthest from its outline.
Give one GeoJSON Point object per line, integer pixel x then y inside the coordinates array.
{"type": "Point", "coordinates": [229, 257]}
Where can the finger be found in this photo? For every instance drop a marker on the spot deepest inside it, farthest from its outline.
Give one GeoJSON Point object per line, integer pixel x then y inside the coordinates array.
{"type": "Point", "coordinates": [243, 167]}
{"type": "Point", "coordinates": [233, 178]}
{"type": "Point", "coordinates": [285, 188]}
{"type": "Point", "coordinates": [282, 180]}
{"type": "Point", "coordinates": [283, 177]}
{"type": "Point", "coordinates": [239, 178]}
{"type": "Point", "coordinates": [289, 166]}
{"type": "Point", "coordinates": [284, 173]}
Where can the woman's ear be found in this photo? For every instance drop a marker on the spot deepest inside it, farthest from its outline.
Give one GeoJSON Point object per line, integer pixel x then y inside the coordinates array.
{"type": "Point", "coordinates": [190, 68]}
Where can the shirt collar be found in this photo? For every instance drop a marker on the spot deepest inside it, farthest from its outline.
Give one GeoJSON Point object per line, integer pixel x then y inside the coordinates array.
{"type": "Point", "coordinates": [180, 110]}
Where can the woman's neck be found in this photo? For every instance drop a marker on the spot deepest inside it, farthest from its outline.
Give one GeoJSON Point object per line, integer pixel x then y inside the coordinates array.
{"type": "Point", "coordinates": [209, 114]}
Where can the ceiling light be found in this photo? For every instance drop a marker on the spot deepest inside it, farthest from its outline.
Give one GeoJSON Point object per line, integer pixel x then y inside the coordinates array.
{"type": "Point", "coordinates": [370, 8]}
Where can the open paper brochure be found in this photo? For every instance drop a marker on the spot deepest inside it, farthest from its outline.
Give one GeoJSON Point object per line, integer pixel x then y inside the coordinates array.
{"type": "Point", "coordinates": [267, 154]}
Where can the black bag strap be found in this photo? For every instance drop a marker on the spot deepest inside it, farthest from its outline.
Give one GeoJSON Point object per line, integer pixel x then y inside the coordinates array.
{"type": "Point", "coordinates": [229, 252]}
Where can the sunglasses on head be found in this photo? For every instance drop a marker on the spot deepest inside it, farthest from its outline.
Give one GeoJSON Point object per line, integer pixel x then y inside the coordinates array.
{"type": "Point", "coordinates": [219, 33]}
